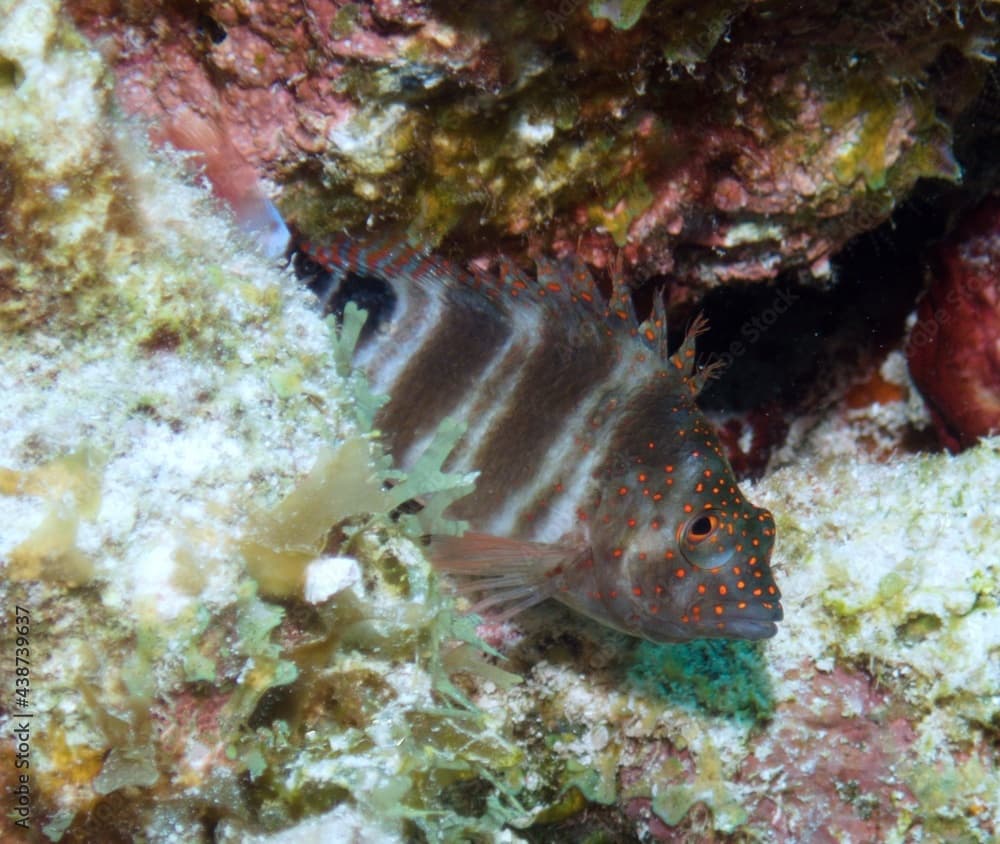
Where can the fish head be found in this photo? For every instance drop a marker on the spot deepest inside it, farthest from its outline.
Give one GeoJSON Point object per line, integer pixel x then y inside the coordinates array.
{"type": "Point", "coordinates": [685, 554]}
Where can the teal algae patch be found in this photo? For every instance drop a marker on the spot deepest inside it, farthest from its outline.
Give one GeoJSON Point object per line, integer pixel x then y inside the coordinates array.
{"type": "Point", "coordinates": [715, 676]}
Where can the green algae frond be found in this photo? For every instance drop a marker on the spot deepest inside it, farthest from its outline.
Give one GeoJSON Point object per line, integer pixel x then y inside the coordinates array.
{"type": "Point", "coordinates": [623, 14]}
{"type": "Point", "coordinates": [717, 676]}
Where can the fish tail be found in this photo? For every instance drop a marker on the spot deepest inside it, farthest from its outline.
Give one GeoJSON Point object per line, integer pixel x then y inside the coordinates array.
{"type": "Point", "coordinates": [508, 575]}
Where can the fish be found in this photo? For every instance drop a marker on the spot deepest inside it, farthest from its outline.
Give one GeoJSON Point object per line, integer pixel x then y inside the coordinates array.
{"type": "Point", "coordinates": [600, 483]}
{"type": "Point", "coordinates": [233, 181]}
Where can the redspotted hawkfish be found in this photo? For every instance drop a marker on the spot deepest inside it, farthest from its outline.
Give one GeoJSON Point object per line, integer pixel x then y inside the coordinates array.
{"type": "Point", "coordinates": [601, 485]}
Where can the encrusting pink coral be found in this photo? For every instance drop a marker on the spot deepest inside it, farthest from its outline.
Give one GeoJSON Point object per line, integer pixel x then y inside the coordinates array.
{"type": "Point", "coordinates": [954, 348]}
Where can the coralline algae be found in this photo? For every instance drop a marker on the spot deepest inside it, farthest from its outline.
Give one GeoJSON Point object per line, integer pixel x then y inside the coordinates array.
{"type": "Point", "coordinates": [713, 142]}
{"type": "Point", "coordinates": [167, 395]}
{"type": "Point", "coordinates": [954, 347]}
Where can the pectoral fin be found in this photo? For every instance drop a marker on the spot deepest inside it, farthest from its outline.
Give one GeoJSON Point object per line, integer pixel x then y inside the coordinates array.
{"type": "Point", "coordinates": [509, 574]}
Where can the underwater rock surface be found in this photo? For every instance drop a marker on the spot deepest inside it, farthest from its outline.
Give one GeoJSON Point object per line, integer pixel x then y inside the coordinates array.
{"type": "Point", "coordinates": [712, 142]}
{"type": "Point", "coordinates": [954, 348]}
{"type": "Point", "coordinates": [229, 639]}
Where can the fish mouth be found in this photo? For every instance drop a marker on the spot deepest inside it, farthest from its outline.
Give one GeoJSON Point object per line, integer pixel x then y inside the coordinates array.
{"type": "Point", "coordinates": [753, 621]}
{"type": "Point", "coordinates": [742, 628]}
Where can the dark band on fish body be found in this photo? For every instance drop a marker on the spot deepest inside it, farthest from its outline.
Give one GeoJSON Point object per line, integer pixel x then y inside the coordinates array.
{"type": "Point", "coordinates": [444, 369]}
{"type": "Point", "coordinates": [548, 390]}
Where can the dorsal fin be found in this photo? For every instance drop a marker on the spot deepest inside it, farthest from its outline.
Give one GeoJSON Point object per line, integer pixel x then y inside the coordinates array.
{"type": "Point", "coordinates": [621, 309]}
{"type": "Point", "coordinates": [653, 330]}
{"type": "Point", "coordinates": [567, 288]}
{"type": "Point", "coordinates": [683, 361]}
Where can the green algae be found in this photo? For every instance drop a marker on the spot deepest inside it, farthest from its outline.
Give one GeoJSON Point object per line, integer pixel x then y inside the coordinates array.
{"type": "Point", "coordinates": [871, 156]}
{"type": "Point", "coordinates": [942, 788]}
{"type": "Point", "coordinates": [623, 14]}
{"type": "Point", "coordinates": [721, 677]}
{"type": "Point", "coordinates": [710, 786]}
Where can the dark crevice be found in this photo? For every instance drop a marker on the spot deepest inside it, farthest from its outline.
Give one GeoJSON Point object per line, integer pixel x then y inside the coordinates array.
{"type": "Point", "coordinates": [782, 343]}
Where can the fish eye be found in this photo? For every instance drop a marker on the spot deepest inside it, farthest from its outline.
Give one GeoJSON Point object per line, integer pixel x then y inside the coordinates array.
{"type": "Point", "coordinates": [700, 527]}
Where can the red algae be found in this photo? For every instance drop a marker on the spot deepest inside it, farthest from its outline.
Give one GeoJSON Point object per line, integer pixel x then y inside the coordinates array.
{"type": "Point", "coordinates": [954, 348]}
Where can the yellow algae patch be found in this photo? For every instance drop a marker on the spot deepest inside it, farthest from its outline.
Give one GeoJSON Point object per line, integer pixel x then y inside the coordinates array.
{"type": "Point", "coordinates": [71, 486]}
{"type": "Point", "coordinates": [282, 542]}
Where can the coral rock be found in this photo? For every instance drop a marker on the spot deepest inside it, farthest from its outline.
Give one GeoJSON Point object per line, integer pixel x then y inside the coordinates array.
{"type": "Point", "coordinates": [729, 142]}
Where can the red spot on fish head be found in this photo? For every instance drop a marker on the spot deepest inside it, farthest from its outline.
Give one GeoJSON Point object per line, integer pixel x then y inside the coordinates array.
{"type": "Point", "coordinates": [676, 541]}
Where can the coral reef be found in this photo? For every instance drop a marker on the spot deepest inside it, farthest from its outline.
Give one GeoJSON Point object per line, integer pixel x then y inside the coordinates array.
{"type": "Point", "coordinates": [717, 142]}
{"type": "Point", "coordinates": [229, 633]}
{"type": "Point", "coordinates": [954, 346]}
{"type": "Point", "coordinates": [173, 404]}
